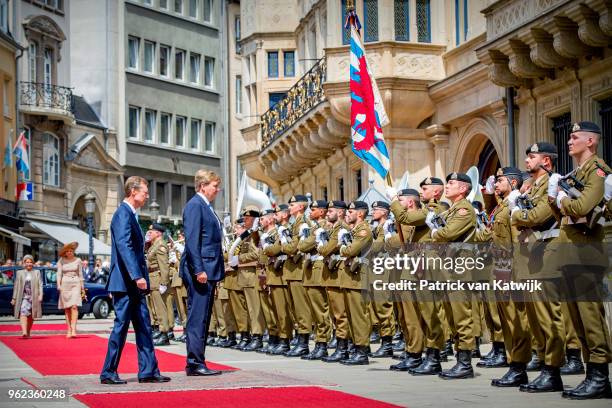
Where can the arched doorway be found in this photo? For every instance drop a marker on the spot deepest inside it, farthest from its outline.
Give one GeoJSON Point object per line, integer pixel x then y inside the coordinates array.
{"type": "Point", "coordinates": [488, 163]}
{"type": "Point", "coordinates": [80, 215]}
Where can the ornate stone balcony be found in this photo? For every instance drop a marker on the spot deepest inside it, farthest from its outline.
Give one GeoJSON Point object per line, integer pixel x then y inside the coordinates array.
{"type": "Point", "coordinates": [529, 39]}
{"type": "Point", "coordinates": [52, 101]}
{"type": "Point", "coordinates": [301, 98]}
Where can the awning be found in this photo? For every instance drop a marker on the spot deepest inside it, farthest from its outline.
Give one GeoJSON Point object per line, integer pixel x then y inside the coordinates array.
{"type": "Point", "coordinates": [68, 233]}
{"type": "Point", "coordinates": [19, 239]}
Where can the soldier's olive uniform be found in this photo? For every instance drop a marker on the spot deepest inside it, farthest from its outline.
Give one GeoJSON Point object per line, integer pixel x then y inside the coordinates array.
{"type": "Point", "coordinates": [314, 267]}
{"type": "Point", "coordinates": [586, 261]}
{"type": "Point", "coordinates": [427, 308]}
{"type": "Point", "coordinates": [512, 314]}
{"type": "Point", "coordinates": [381, 309]}
{"type": "Point", "coordinates": [174, 294]}
{"type": "Point", "coordinates": [460, 223]}
{"type": "Point", "coordinates": [278, 287]}
{"type": "Point", "coordinates": [223, 311]}
{"type": "Point", "coordinates": [265, 293]}
{"type": "Point", "coordinates": [352, 282]}
{"type": "Point", "coordinates": [332, 283]}
{"type": "Point", "coordinates": [159, 274]}
{"type": "Point", "coordinates": [293, 274]}
{"type": "Point", "coordinates": [248, 257]}
{"type": "Point", "coordinates": [237, 298]}
{"type": "Point", "coordinates": [536, 261]}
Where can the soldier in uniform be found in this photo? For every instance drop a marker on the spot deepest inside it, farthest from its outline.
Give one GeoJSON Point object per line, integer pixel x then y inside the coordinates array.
{"type": "Point", "coordinates": [245, 259]}
{"type": "Point", "coordinates": [513, 318]}
{"type": "Point", "coordinates": [175, 291]}
{"type": "Point", "coordinates": [314, 268]}
{"type": "Point", "coordinates": [236, 292]}
{"type": "Point", "coordinates": [293, 274]}
{"type": "Point", "coordinates": [536, 261]}
{"type": "Point", "coordinates": [383, 309]}
{"type": "Point", "coordinates": [354, 245]}
{"type": "Point", "coordinates": [586, 260]}
{"type": "Point", "coordinates": [271, 246]}
{"type": "Point", "coordinates": [328, 247]}
{"type": "Point", "coordinates": [265, 291]}
{"type": "Point", "coordinates": [460, 224]}
{"type": "Point", "coordinates": [159, 277]}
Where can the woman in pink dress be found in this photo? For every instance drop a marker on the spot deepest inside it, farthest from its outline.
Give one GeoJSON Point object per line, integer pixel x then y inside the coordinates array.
{"type": "Point", "coordinates": [70, 284]}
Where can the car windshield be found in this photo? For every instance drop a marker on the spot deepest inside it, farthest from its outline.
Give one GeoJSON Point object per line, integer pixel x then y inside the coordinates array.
{"type": "Point", "coordinates": [7, 274]}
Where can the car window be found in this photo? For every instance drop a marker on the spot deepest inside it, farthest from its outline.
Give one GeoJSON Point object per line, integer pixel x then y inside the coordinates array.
{"type": "Point", "coordinates": [51, 276]}
{"type": "Point", "coordinates": [6, 277]}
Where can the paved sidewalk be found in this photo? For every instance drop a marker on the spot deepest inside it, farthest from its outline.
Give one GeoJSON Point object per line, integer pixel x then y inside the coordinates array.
{"type": "Point", "coordinates": [373, 381]}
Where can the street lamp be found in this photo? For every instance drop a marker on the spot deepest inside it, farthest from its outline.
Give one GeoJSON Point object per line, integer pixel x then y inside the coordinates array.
{"type": "Point", "coordinates": [154, 210]}
{"type": "Point", "coordinates": [90, 208]}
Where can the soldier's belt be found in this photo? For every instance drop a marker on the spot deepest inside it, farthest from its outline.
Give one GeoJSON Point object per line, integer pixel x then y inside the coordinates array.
{"type": "Point", "coordinates": [315, 258]}
{"type": "Point", "coordinates": [362, 260]}
{"type": "Point", "coordinates": [546, 235]}
{"type": "Point", "coordinates": [336, 257]}
{"type": "Point", "coordinates": [153, 270]}
{"type": "Point", "coordinates": [248, 264]}
{"type": "Point", "coordinates": [281, 257]}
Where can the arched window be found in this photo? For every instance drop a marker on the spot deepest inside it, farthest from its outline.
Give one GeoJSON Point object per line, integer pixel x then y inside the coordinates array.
{"type": "Point", "coordinates": [51, 160]}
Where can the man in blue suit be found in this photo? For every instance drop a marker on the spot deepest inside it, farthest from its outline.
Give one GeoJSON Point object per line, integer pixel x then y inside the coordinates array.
{"type": "Point", "coordinates": [129, 283]}
{"type": "Point", "coordinates": [202, 266]}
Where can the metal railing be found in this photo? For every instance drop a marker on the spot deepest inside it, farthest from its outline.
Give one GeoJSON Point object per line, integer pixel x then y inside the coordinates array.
{"type": "Point", "coordinates": [46, 96]}
{"type": "Point", "coordinates": [300, 99]}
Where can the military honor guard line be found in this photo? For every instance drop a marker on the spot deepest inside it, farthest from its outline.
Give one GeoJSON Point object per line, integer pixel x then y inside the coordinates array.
{"type": "Point", "coordinates": [299, 272]}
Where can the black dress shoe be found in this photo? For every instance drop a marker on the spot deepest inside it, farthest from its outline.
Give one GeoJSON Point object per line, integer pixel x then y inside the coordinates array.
{"type": "Point", "coordinates": [462, 369]}
{"type": "Point", "coordinates": [154, 379]}
{"type": "Point", "coordinates": [113, 381]}
{"type": "Point", "coordinates": [595, 385]}
{"type": "Point", "coordinates": [200, 371]}
{"type": "Point", "coordinates": [514, 377]}
{"type": "Point", "coordinates": [549, 380]}
{"type": "Point", "coordinates": [573, 365]}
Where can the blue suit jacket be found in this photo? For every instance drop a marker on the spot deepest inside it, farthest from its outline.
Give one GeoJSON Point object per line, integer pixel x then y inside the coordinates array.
{"type": "Point", "coordinates": [203, 239]}
{"type": "Point", "coordinates": [127, 252]}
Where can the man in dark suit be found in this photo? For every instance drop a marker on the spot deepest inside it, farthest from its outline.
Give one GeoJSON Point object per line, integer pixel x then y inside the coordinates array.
{"type": "Point", "coordinates": [129, 283]}
{"type": "Point", "coordinates": [201, 267]}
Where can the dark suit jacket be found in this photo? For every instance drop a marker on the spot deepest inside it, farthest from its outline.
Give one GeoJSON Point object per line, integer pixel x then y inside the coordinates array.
{"type": "Point", "coordinates": [127, 252]}
{"type": "Point", "coordinates": [203, 239]}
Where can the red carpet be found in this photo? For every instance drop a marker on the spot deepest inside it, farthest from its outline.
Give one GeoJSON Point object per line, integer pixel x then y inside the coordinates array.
{"type": "Point", "coordinates": [57, 355]}
{"type": "Point", "coordinates": [11, 328]}
{"type": "Point", "coordinates": [303, 397]}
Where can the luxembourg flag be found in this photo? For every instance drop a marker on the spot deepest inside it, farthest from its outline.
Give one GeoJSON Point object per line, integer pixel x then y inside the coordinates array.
{"type": "Point", "coordinates": [368, 114]}
{"type": "Point", "coordinates": [21, 152]}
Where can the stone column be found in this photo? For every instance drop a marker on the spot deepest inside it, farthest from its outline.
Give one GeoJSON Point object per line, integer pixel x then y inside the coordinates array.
{"type": "Point", "coordinates": [438, 136]}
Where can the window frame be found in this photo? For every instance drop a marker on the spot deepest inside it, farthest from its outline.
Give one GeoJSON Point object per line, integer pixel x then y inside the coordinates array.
{"type": "Point", "coordinates": [137, 109]}
{"type": "Point", "coordinates": [198, 122]}
{"type": "Point", "coordinates": [176, 60]}
{"type": "Point", "coordinates": [197, 9]}
{"type": "Point", "coordinates": [163, 115]}
{"type": "Point", "coordinates": [48, 163]}
{"type": "Point", "coordinates": [182, 11]}
{"type": "Point", "coordinates": [209, 18]}
{"type": "Point", "coordinates": [146, 127]}
{"type": "Point", "coordinates": [238, 94]}
{"type": "Point", "coordinates": [285, 53]}
{"type": "Point", "coordinates": [168, 49]}
{"type": "Point", "coordinates": [199, 68]}
{"type": "Point", "coordinates": [4, 16]}
{"type": "Point", "coordinates": [213, 126]}
{"type": "Point", "coordinates": [152, 59]}
{"type": "Point", "coordinates": [269, 55]}
{"type": "Point", "coordinates": [368, 37]}
{"type": "Point", "coordinates": [183, 130]}
{"type": "Point", "coordinates": [133, 40]}
{"type": "Point", "coordinates": [209, 74]}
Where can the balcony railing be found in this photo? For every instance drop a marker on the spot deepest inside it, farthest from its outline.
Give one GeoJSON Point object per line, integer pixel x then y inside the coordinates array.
{"type": "Point", "coordinates": [46, 96]}
{"type": "Point", "coordinates": [300, 99]}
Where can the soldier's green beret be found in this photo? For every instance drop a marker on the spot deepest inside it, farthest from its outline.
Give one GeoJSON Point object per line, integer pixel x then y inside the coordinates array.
{"type": "Point", "coordinates": [381, 204]}
{"type": "Point", "coordinates": [459, 177]}
{"type": "Point", "coordinates": [542, 147]}
{"type": "Point", "coordinates": [586, 126]}
{"type": "Point", "coordinates": [431, 181]}
{"type": "Point", "coordinates": [358, 205]}
{"type": "Point", "coordinates": [337, 204]}
{"type": "Point", "coordinates": [318, 204]}
{"type": "Point", "coordinates": [158, 227]}
{"type": "Point", "coordinates": [408, 192]}
{"type": "Point", "coordinates": [299, 198]}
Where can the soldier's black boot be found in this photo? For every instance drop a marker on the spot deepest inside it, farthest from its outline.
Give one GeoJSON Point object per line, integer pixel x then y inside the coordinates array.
{"type": "Point", "coordinates": [374, 337]}
{"type": "Point", "coordinates": [573, 365]}
{"type": "Point", "coordinates": [351, 346]}
{"type": "Point", "coordinates": [514, 377]}
{"type": "Point", "coordinates": [400, 356]}
{"type": "Point", "coordinates": [162, 340]}
{"type": "Point", "coordinates": [490, 354]}
{"type": "Point", "coordinates": [230, 342]}
{"type": "Point", "coordinates": [449, 348]}
{"type": "Point", "coordinates": [498, 359]}
{"type": "Point", "coordinates": [476, 351]}
{"type": "Point", "coordinates": [294, 340]}
{"type": "Point", "coordinates": [182, 338]}
{"type": "Point", "coordinates": [171, 334]}
{"type": "Point", "coordinates": [535, 364]}
{"type": "Point", "coordinates": [210, 340]}
{"type": "Point", "coordinates": [386, 348]}
{"type": "Point", "coordinates": [156, 333]}
{"type": "Point", "coordinates": [301, 349]}
{"type": "Point", "coordinates": [463, 368]}
{"type": "Point", "coordinates": [443, 356]}
{"type": "Point", "coordinates": [549, 380]}
{"type": "Point", "coordinates": [340, 353]}
{"type": "Point", "coordinates": [398, 335]}
{"type": "Point", "coordinates": [255, 343]}
{"type": "Point", "coordinates": [272, 343]}
{"type": "Point", "coordinates": [218, 341]}
{"type": "Point", "coordinates": [595, 385]}
{"type": "Point", "coordinates": [245, 339]}
{"type": "Point", "coordinates": [430, 365]}
{"type": "Point", "coordinates": [281, 348]}
{"type": "Point", "coordinates": [318, 352]}
{"type": "Point", "coordinates": [400, 345]}
{"type": "Point", "coordinates": [413, 360]}
{"type": "Point", "coordinates": [333, 342]}
{"type": "Point", "coordinates": [359, 357]}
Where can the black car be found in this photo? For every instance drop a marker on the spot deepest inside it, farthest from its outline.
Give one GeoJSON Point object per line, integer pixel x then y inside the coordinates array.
{"type": "Point", "coordinates": [98, 300]}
